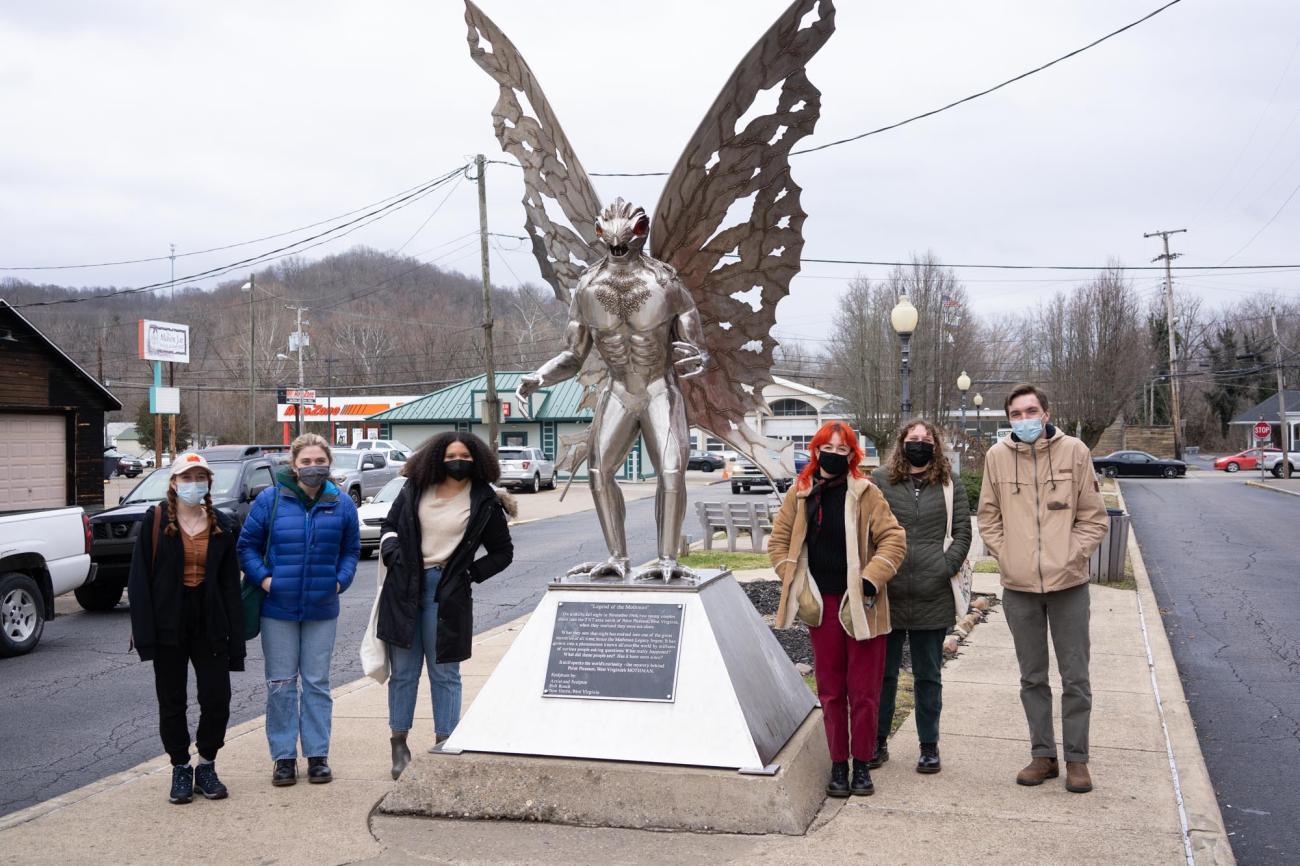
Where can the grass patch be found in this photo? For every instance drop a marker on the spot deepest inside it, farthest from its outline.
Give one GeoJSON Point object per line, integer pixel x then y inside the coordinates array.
{"type": "Point", "coordinates": [986, 566]}
{"type": "Point", "coordinates": [1111, 500]}
{"type": "Point", "coordinates": [726, 559]}
{"type": "Point", "coordinates": [906, 699]}
{"type": "Point", "coordinates": [1109, 485]}
{"type": "Point", "coordinates": [1128, 583]}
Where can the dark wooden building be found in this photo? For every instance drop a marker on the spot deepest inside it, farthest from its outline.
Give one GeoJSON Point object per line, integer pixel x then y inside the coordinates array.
{"type": "Point", "coordinates": [51, 422]}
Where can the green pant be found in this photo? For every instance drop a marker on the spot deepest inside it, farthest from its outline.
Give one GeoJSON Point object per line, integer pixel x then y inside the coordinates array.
{"type": "Point", "coordinates": [927, 682]}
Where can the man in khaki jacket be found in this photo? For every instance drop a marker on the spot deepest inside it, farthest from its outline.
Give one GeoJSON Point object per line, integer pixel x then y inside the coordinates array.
{"type": "Point", "coordinates": [1041, 514]}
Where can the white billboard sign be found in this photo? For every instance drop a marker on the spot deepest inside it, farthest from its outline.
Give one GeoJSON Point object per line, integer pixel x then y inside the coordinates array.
{"type": "Point", "coordinates": [164, 341]}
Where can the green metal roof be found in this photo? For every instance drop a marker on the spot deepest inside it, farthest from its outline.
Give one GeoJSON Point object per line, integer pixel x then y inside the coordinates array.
{"type": "Point", "coordinates": [457, 402]}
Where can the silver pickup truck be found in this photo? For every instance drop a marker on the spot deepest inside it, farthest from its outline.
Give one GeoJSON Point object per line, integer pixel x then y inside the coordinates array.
{"type": "Point", "coordinates": [43, 554]}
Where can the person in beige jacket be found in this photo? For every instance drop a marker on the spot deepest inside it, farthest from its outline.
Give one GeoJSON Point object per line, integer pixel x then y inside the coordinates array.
{"type": "Point", "coordinates": [835, 545]}
{"type": "Point", "coordinates": [1041, 514]}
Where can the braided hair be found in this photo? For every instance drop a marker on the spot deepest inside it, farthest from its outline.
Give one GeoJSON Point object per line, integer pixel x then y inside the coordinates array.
{"type": "Point", "coordinates": [214, 527]}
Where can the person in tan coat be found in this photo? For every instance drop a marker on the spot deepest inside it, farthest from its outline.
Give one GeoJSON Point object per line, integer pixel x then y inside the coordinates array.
{"type": "Point", "coordinates": [835, 545]}
{"type": "Point", "coordinates": [1041, 514]}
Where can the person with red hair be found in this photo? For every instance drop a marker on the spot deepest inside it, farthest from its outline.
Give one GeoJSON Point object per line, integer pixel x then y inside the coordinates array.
{"type": "Point", "coordinates": [835, 545]}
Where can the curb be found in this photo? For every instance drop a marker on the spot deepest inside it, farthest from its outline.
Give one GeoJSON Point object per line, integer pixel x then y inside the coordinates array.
{"type": "Point", "coordinates": [1206, 836]}
{"type": "Point", "coordinates": [1264, 485]}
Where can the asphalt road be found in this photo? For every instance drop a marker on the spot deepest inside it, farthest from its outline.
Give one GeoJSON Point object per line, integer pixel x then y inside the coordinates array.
{"type": "Point", "coordinates": [81, 707]}
{"type": "Point", "coordinates": [1224, 560]}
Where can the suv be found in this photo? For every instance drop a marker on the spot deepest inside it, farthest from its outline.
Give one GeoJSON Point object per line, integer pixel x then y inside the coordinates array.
{"type": "Point", "coordinates": [525, 468]}
{"type": "Point", "coordinates": [746, 473]}
{"type": "Point", "coordinates": [1273, 463]}
{"type": "Point", "coordinates": [240, 472]}
{"type": "Point", "coordinates": [360, 474]}
{"type": "Point", "coordinates": [395, 451]}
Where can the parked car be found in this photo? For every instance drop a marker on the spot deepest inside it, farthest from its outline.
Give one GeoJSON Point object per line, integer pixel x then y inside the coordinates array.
{"type": "Point", "coordinates": [525, 468]}
{"type": "Point", "coordinates": [705, 461]}
{"type": "Point", "coordinates": [1139, 464]}
{"type": "Point", "coordinates": [43, 554]}
{"type": "Point", "coordinates": [395, 451]}
{"type": "Point", "coordinates": [1273, 463]}
{"type": "Point", "coordinates": [746, 475]}
{"type": "Point", "coordinates": [1248, 459]}
{"type": "Point", "coordinates": [361, 474]}
{"type": "Point", "coordinates": [373, 511]}
{"type": "Point", "coordinates": [131, 467]}
{"type": "Point", "coordinates": [240, 472]}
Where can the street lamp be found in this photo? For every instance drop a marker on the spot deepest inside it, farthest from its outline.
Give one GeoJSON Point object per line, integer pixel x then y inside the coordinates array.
{"type": "Point", "coordinates": [978, 400]}
{"type": "Point", "coordinates": [903, 318]}
{"type": "Point", "coordinates": [963, 385]}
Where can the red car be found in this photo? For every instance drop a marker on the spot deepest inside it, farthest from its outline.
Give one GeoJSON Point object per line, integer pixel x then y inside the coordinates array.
{"type": "Point", "coordinates": [1248, 459]}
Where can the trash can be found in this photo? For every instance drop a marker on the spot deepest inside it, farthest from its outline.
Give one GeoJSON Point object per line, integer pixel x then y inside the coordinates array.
{"type": "Point", "coordinates": [1107, 562]}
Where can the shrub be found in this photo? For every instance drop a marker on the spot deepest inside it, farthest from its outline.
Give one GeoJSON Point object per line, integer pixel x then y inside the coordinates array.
{"type": "Point", "coordinates": [972, 480]}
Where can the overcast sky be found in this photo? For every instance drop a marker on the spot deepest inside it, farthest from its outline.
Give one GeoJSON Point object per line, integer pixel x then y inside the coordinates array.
{"type": "Point", "coordinates": [132, 125]}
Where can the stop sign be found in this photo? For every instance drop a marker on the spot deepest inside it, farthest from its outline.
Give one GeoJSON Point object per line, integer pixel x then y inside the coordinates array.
{"type": "Point", "coordinates": [1263, 430]}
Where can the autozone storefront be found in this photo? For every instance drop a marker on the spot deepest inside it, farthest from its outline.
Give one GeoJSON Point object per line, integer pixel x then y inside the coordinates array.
{"type": "Point", "coordinates": [341, 420]}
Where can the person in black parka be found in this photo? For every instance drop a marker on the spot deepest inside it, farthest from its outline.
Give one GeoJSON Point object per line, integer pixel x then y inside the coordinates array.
{"type": "Point", "coordinates": [922, 606]}
{"type": "Point", "coordinates": [446, 511]}
{"type": "Point", "coordinates": [185, 610]}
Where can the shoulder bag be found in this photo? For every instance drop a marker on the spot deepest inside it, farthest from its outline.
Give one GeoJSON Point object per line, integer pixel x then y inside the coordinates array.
{"type": "Point", "coordinates": [963, 579]}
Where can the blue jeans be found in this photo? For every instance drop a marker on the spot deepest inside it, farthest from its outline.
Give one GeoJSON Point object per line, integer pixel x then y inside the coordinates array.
{"type": "Point", "coordinates": [293, 650]}
{"type": "Point", "coordinates": [444, 680]}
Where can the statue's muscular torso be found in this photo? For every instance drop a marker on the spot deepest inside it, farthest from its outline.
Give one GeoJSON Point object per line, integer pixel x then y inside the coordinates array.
{"type": "Point", "coordinates": [630, 312]}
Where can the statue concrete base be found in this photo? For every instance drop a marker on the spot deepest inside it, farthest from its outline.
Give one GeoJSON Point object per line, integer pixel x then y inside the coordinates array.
{"type": "Point", "coordinates": [589, 793]}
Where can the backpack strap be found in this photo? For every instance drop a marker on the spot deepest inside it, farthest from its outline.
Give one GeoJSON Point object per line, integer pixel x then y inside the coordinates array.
{"type": "Point", "coordinates": [157, 519]}
{"type": "Point", "coordinates": [947, 501]}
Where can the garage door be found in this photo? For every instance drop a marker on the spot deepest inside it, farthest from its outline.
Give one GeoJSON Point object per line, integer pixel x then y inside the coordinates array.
{"type": "Point", "coordinates": [33, 461]}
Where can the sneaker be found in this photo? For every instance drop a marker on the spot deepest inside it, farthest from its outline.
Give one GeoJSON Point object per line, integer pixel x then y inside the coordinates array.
{"type": "Point", "coordinates": [882, 754]}
{"type": "Point", "coordinates": [285, 772]}
{"type": "Point", "coordinates": [182, 784]}
{"type": "Point", "coordinates": [929, 760]}
{"type": "Point", "coordinates": [838, 786]}
{"type": "Point", "coordinates": [318, 771]}
{"type": "Point", "coordinates": [205, 779]}
{"type": "Point", "coordinates": [861, 786]}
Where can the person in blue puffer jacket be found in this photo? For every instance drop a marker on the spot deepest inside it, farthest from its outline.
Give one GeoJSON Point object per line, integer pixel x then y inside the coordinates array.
{"type": "Point", "coordinates": [300, 544]}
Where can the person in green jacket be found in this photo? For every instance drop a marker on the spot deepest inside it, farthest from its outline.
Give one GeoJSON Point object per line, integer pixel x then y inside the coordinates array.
{"type": "Point", "coordinates": [913, 478]}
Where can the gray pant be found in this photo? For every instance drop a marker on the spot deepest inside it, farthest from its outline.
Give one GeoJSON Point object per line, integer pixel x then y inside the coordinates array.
{"type": "Point", "coordinates": [1030, 614]}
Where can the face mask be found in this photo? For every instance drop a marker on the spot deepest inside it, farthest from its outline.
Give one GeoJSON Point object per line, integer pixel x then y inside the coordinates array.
{"type": "Point", "coordinates": [459, 469]}
{"type": "Point", "coordinates": [1028, 431]}
{"type": "Point", "coordinates": [918, 453]}
{"type": "Point", "coordinates": [191, 492]}
{"type": "Point", "coordinates": [833, 464]}
{"type": "Point", "coordinates": [312, 476]}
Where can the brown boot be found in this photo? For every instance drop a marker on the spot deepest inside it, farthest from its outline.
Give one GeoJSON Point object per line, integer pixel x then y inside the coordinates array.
{"type": "Point", "coordinates": [1038, 771]}
{"type": "Point", "coordinates": [1077, 778]}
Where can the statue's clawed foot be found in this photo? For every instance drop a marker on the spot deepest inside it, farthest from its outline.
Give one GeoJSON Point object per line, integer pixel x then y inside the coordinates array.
{"type": "Point", "coordinates": [666, 568]}
{"type": "Point", "coordinates": [615, 566]}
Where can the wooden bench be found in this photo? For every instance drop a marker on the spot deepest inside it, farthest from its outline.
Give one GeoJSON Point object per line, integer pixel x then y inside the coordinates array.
{"type": "Point", "coordinates": [732, 517]}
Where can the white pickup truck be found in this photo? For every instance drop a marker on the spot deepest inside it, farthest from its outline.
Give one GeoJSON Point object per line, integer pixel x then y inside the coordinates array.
{"type": "Point", "coordinates": [43, 554]}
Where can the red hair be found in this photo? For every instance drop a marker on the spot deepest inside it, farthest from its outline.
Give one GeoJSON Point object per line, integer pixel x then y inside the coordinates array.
{"type": "Point", "coordinates": [822, 437]}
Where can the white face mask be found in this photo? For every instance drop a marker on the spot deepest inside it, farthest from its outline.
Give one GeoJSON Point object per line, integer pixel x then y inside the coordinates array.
{"type": "Point", "coordinates": [191, 492]}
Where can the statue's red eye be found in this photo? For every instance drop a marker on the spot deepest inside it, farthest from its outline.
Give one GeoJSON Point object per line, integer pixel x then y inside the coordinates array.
{"type": "Point", "coordinates": [600, 232]}
{"type": "Point", "coordinates": [642, 227]}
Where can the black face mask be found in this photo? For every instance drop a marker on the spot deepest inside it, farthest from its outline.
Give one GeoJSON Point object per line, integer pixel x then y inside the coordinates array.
{"type": "Point", "coordinates": [833, 464]}
{"type": "Point", "coordinates": [918, 453]}
{"type": "Point", "coordinates": [459, 469]}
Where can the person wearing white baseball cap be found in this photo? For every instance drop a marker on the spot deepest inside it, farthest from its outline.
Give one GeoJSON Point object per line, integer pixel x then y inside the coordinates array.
{"type": "Point", "coordinates": [185, 610]}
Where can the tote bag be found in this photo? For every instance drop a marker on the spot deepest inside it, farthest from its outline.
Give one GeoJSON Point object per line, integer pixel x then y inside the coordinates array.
{"type": "Point", "coordinates": [964, 578]}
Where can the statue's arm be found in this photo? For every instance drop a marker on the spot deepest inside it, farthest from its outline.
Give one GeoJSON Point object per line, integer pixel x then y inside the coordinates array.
{"type": "Point", "coordinates": [689, 355]}
{"type": "Point", "coordinates": [567, 364]}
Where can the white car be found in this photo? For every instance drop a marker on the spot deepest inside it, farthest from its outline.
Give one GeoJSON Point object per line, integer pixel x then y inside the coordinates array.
{"type": "Point", "coordinates": [43, 554]}
{"type": "Point", "coordinates": [1273, 463]}
{"type": "Point", "coordinates": [393, 450]}
{"type": "Point", "coordinates": [372, 513]}
{"type": "Point", "coordinates": [525, 468]}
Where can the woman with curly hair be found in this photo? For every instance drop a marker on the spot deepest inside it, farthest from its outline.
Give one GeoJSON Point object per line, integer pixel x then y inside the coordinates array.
{"type": "Point", "coordinates": [185, 611]}
{"type": "Point", "coordinates": [446, 511]}
{"type": "Point", "coordinates": [836, 545]}
{"type": "Point", "coordinates": [913, 480]}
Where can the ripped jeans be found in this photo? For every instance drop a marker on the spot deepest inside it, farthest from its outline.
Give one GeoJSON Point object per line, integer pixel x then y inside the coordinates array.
{"type": "Point", "coordinates": [293, 651]}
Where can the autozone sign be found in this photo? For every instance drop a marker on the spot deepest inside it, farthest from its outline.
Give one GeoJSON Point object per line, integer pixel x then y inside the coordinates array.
{"type": "Point", "coordinates": [339, 408]}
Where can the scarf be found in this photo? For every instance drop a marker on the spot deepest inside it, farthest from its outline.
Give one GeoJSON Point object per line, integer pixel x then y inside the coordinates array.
{"type": "Point", "coordinates": [815, 500]}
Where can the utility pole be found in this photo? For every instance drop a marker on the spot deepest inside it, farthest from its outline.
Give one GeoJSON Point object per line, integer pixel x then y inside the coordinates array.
{"type": "Point", "coordinates": [1281, 403]}
{"type": "Point", "coordinates": [299, 340]}
{"type": "Point", "coordinates": [251, 288]}
{"type": "Point", "coordinates": [1174, 385]}
{"type": "Point", "coordinates": [329, 396]}
{"type": "Point", "coordinates": [171, 365]}
{"type": "Point", "coordinates": [173, 279]}
{"type": "Point", "coordinates": [491, 403]}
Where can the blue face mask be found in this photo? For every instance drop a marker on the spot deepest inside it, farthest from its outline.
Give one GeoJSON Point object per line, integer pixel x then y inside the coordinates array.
{"type": "Point", "coordinates": [191, 492]}
{"type": "Point", "coordinates": [1029, 430]}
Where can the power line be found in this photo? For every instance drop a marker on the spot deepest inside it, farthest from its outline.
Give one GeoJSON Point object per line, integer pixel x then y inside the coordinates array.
{"type": "Point", "coordinates": [941, 109]}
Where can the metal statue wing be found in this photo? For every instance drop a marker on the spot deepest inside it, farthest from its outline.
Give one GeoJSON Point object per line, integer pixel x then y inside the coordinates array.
{"type": "Point", "coordinates": [553, 176]}
{"type": "Point", "coordinates": [738, 272]}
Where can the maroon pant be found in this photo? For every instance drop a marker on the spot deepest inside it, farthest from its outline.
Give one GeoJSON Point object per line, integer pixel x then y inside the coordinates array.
{"type": "Point", "coordinates": [849, 676]}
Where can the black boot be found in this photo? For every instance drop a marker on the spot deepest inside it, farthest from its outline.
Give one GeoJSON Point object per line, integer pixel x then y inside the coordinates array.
{"type": "Point", "coordinates": [182, 784]}
{"type": "Point", "coordinates": [929, 760]}
{"type": "Point", "coordinates": [882, 754]}
{"type": "Point", "coordinates": [318, 771]}
{"type": "Point", "coordinates": [862, 786]}
{"type": "Point", "coordinates": [285, 772]}
{"type": "Point", "coordinates": [838, 786]}
{"type": "Point", "coordinates": [205, 779]}
{"type": "Point", "coordinates": [401, 754]}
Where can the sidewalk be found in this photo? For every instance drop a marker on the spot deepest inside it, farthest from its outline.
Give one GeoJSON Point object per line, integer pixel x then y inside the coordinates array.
{"type": "Point", "coordinates": [971, 812]}
{"type": "Point", "coordinates": [1289, 486]}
